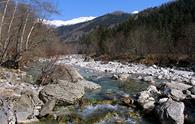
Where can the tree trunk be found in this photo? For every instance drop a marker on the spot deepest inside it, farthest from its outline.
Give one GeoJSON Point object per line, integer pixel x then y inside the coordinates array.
{"type": "Point", "coordinates": [2, 21]}
{"type": "Point", "coordinates": [23, 32]}
{"type": "Point", "coordinates": [29, 34]}
{"type": "Point", "coordinates": [6, 43]}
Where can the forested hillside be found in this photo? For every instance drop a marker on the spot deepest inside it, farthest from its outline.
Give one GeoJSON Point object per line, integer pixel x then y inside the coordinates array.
{"type": "Point", "coordinates": [72, 33]}
{"type": "Point", "coordinates": [163, 34]}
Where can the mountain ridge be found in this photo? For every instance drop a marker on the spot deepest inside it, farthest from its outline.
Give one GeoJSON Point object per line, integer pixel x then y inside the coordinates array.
{"type": "Point", "coordinates": [58, 23]}
{"type": "Point", "coordinates": [72, 33]}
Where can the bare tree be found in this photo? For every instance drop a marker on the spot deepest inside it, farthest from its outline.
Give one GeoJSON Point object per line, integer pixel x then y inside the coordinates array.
{"type": "Point", "coordinates": [3, 18]}
{"type": "Point", "coordinates": [6, 43]}
{"type": "Point", "coordinates": [22, 28]}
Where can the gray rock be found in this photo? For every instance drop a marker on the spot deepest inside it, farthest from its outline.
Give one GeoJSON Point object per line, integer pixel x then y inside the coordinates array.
{"type": "Point", "coordinates": [140, 78]}
{"type": "Point", "coordinates": [149, 79]}
{"type": "Point", "coordinates": [64, 92]}
{"type": "Point", "coordinates": [47, 108]}
{"type": "Point", "coordinates": [123, 77]}
{"type": "Point", "coordinates": [24, 108]}
{"type": "Point", "coordinates": [149, 104]}
{"type": "Point", "coordinates": [89, 85]}
{"type": "Point", "coordinates": [177, 95]}
{"type": "Point", "coordinates": [192, 81]}
{"type": "Point", "coordinates": [88, 59]}
{"type": "Point", "coordinates": [178, 86]}
{"type": "Point", "coordinates": [162, 100]}
{"type": "Point", "coordinates": [115, 77]}
{"type": "Point", "coordinates": [153, 90]}
{"type": "Point", "coordinates": [3, 118]}
{"type": "Point", "coordinates": [171, 112]}
{"type": "Point", "coordinates": [146, 101]}
{"type": "Point", "coordinates": [192, 90]}
{"type": "Point", "coordinates": [60, 72]}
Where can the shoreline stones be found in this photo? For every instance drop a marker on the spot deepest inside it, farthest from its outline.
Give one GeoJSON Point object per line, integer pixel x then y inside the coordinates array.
{"type": "Point", "coordinates": [168, 101]}
{"type": "Point", "coordinates": [121, 77]}
{"type": "Point", "coordinates": [171, 112]}
{"type": "Point", "coordinates": [115, 67]}
{"type": "Point", "coordinates": [23, 102]}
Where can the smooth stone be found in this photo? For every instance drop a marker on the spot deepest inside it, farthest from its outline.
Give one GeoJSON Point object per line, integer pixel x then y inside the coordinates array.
{"type": "Point", "coordinates": [171, 112]}
{"type": "Point", "coordinates": [64, 92]}
{"type": "Point", "coordinates": [163, 100]}
{"type": "Point", "coordinates": [178, 86]}
{"type": "Point", "coordinates": [192, 81]}
{"type": "Point", "coordinates": [89, 85]}
{"type": "Point", "coordinates": [177, 95]}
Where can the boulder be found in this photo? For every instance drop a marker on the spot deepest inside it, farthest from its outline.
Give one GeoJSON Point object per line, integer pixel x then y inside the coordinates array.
{"type": "Point", "coordinates": [24, 109]}
{"type": "Point", "coordinates": [171, 112]}
{"type": "Point", "coordinates": [88, 85]}
{"type": "Point", "coordinates": [64, 92]}
{"type": "Point", "coordinates": [178, 86]}
{"type": "Point", "coordinates": [59, 72]}
{"type": "Point", "coordinates": [146, 101]}
{"type": "Point", "coordinates": [177, 94]}
{"type": "Point", "coordinates": [153, 90]}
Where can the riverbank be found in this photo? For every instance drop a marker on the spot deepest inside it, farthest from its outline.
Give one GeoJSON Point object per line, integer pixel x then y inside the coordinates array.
{"type": "Point", "coordinates": [170, 96]}
{"type": "Point", "coordinates": [129, 92]}
{"type": "Point", "coordinates": [142, 71]}
{"type": "Point", "coordinates": [24, 100]}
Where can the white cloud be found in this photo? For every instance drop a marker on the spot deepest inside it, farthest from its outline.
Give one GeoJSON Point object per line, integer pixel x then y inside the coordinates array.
{"type": "Point", "coordinates": [135, 12]}
{"type": "Point", "coordinates": [58, 23]}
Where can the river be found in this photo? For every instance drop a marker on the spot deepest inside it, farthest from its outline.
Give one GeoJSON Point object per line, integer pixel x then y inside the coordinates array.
{"type": "Point", "coordinates": [101, 106]}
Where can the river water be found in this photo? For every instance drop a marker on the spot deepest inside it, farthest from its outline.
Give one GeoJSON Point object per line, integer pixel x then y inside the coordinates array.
{"type": "Point", "coordinates": [100, 106]}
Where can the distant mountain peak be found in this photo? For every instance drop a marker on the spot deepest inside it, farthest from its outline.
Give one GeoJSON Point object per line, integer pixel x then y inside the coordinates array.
{"type": "Point", "coordinates": [117, 12]}
{"type": "Point", "coordinates": [59, 23]}
{"type": "Point", "coordinates": [135, 12]}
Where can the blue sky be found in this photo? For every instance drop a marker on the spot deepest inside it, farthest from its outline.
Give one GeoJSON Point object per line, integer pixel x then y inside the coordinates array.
{"type": "Point", "coordinates": [70, 9]}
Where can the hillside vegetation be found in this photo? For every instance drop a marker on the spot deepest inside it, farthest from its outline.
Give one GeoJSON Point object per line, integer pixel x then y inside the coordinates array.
{"type": "Point", "coordinates": [72, 33]}
{"type": "Point", "coordinates": [164, 34]}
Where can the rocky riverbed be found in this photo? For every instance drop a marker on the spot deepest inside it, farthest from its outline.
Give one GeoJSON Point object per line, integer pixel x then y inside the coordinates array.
{"type": "Point", "coordinates": [170, 97]}
{"type": "Point", "coordinates": [122, 93]}
{"type": "Point", "coordinates": [24, 101]}
{"type": "Point", "coordinates": [143, 72]}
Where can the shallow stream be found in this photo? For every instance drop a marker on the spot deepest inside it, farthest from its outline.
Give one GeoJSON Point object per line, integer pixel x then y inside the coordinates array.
{"type": "Point", "coordinates": [101, 106]}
